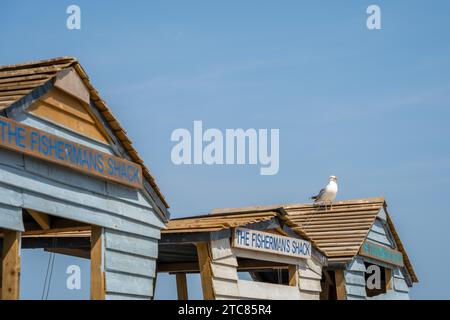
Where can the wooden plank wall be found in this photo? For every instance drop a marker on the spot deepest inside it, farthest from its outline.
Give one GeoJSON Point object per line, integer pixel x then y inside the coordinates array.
{"type": "Point", "coordinates": [227, 285]}
{"type": "Point", "coordinates": [131, 227]}
{"type": "Point", "coordinates": [309, 280]}
{"type": "Point", "coordinates": [355, 282]}
{"type": "Point", "coordinates": [355, 273]}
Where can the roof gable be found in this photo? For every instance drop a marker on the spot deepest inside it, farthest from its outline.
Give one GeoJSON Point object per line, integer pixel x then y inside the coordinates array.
{"type": "Point", "coordinates": [22, 85]}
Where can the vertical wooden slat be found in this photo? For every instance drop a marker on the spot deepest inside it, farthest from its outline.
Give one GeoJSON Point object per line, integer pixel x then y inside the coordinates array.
{"type": "Point", "coordinates": [11, 265]}
{"type": "Point", "coordinates": [388, 274]}
{"type": "Point", "coordinates": [340, 285]}
{"type": "Point", "coordinates": [293, 275]}
{"type": "Point", "coordinates": [204, 261]}
{"type": "Point", "coordinates": [182, 286]}
{"type": "Point", "coordinates": [97, 274]}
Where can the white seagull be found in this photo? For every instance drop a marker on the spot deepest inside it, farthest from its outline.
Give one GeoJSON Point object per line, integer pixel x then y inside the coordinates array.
{"type": "Point", "coordinates": [327, 194]}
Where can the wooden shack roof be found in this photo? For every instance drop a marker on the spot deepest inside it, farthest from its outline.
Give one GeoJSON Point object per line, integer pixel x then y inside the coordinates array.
{"type": "Point", "coordinates": [260, 219]}
{"type": "Point", "coordinates": [339, 232]}
{"type": "Point", "coordinates": [19, 80]}
{"type": "Point", "coordinates": [208, 223]}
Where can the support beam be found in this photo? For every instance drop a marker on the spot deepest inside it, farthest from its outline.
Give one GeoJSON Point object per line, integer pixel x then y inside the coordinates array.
{"type": "Point", "coordinates": [388, 275]}
{"type": "Point", "coordinates": [10, 265]}
{"type": "Point", "coordinates": [341, 293]}
{"type": "Point", "coordinates": [42, 219]}
{"type": "Point", "coordinates": [243, 265]}
{"type": "Point", "coordinates": [293, 275]}
{"type": "Point", "coordinates": [204, 261]}
{"type": "Point", "coordinates": [182, 290]}
{"type": "Point", "coordinates": [73, 252]}
{"type": "Point", "coordinates": [97, 274]}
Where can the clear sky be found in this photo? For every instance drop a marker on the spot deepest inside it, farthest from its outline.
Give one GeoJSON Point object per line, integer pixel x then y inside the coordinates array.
{"type": "Point", "coordinates": [371, 107]}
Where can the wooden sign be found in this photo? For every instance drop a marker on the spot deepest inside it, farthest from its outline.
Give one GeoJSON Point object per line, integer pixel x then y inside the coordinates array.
{"type": "Point", "coordinates": [272, 243]}
{"type": "Point", "coordinates": [382, 253]}
{"type": "Point", "coordinates": [31, 141]}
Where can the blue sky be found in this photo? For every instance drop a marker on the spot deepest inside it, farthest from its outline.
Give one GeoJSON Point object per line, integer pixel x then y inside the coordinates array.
{"type": "Point", "coordinates": [372, 107]}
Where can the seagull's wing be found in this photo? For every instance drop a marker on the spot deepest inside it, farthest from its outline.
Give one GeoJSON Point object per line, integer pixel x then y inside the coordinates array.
{"type": "Point", "coordinates": [318, 196]}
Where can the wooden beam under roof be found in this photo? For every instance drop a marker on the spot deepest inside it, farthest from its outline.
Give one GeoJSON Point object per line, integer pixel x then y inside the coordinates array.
{"type": "Point", "coordinates": [42, 219]}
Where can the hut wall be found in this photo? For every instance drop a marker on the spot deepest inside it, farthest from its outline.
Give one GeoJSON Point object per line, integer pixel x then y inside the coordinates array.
{"type": "Point", "coordinates": [355, 273]}
{"type": "Point", "coordinates": [309, 280]}
{"type": "Point", "coordinates": [226, 284]}
{"type": "Point", "coordinates": [131, 226]}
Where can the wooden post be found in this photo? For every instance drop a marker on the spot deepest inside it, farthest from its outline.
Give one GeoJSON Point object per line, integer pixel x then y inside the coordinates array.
{"type": "Point", "coordinates": [10, 265]}
{"type": "Point", "coordinates": [293, 275]}
{"type": "Point", "coordinates": [340, 285]}
{"type": "Point", "coordinates": [1, 267]}
{"type": "Point", "coordinates": [97, 275]}
{"type": "Point", "coordinates": [204, 262]}
{"type": "Point", "coordinates": [388, 275]}
{"type": "Point", "coordinates": [182, 286]}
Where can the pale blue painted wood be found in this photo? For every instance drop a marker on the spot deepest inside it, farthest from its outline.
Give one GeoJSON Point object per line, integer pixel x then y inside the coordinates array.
{"type": "Point", "coordinates": [379, 238]}
{"type": "Point", "coordinates": [400, 285]}
{"type": "Point", "coordinates": [11, 218]}
{"type": "Point", "coordinates": [352, 297]}
{"type": "Point", "coordinates": [117, 296]}
{"type": "Point", "coordinates": [131, 226]}
{"type": "Point", "coordinates": [355, 277]}
{"type": "Point", "coordinates": [357, 264]}
{"type": "Point", "coordinates": [10, 196]}
{"type": "Point", "coordinates": [378, 227]}
{"type": "Point", "coordinates": [120, 283]}
{"type": "Point", "coordinates": [130, 258]}
{"type": "Point", "coordinates": [36, 184]}
{"type": "Point", "coordinates": [13, 159]}
{"type": "Point", "coordinates": [89, 215]}
{"type": "Point", "coordinates": [382, 214]}
{"type": "Point", "coordinates": [142, 246]}
{"type": "Point", "coordinates": [391, 295]}
{"type": "Point", "coordinates": [355, 290]}
{"type": "Point", "coordinates": [127, 263]}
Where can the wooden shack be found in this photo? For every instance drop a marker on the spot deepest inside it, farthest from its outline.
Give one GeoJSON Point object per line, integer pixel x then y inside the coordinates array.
{"type": "Point", "coordinates": [359, 239]}
{"type": "Point", "coordinates": [282, 262]}
{"type": "Point", "coordinates": [72, 183]}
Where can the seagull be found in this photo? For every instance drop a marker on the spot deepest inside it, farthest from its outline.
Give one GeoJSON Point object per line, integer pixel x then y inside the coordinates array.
{"type": "Point", "coordinates": [327, 194]}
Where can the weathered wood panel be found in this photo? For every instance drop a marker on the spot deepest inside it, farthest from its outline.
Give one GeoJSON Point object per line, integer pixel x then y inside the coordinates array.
{"type": "Point", "coordinates": [400, 285]}
{"type": "Point", "coordinates": [131, 227]}
{"type": "Point", "coordinates": [130, 258]}
{"type": "Point", "coordinates": [126, 284]}
{"type": "Point", "coordinates": [224, 272]}
{"type": "Point", "coordinates": [378, 234]}
{"type": "Point", "coordinates": [11, 218]}
{"type": "Point", "coordinates": [132, 244]}
{"type": "Point", "coordinates": [127, 263]}
{"type": "Point", "coordinates": [354, 278]}
{"type": "Point", "coordinates": [267, 291]}
{"type": "Point", "coordinates": [309, 285]}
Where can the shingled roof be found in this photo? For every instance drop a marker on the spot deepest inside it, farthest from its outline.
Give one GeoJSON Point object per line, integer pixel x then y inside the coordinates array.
{"type": "Point", "coordinates": [339, 232]}
{"type": "Point", "coordinates": [208, 223]}
{"type": "Point", "coordinates": [18, 81]}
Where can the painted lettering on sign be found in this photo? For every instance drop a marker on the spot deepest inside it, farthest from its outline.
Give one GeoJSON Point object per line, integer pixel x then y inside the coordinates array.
{"type": "Point", "coordinates": [269, 242]}
{"type": "Point", "coordinates": [382, 253]}
{"type": "Point", "coordinates": [31, 141]}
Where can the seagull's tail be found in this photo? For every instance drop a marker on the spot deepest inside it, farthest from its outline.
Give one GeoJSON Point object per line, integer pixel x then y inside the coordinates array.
{"type": "Point", "coordinates": [314, 198]}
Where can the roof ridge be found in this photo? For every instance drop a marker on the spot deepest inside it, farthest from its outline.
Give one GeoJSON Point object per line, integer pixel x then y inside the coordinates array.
{"type": "Point", "coordinates": [357, 201]}
{"type": "Point", "coordinates": [35, 63]}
